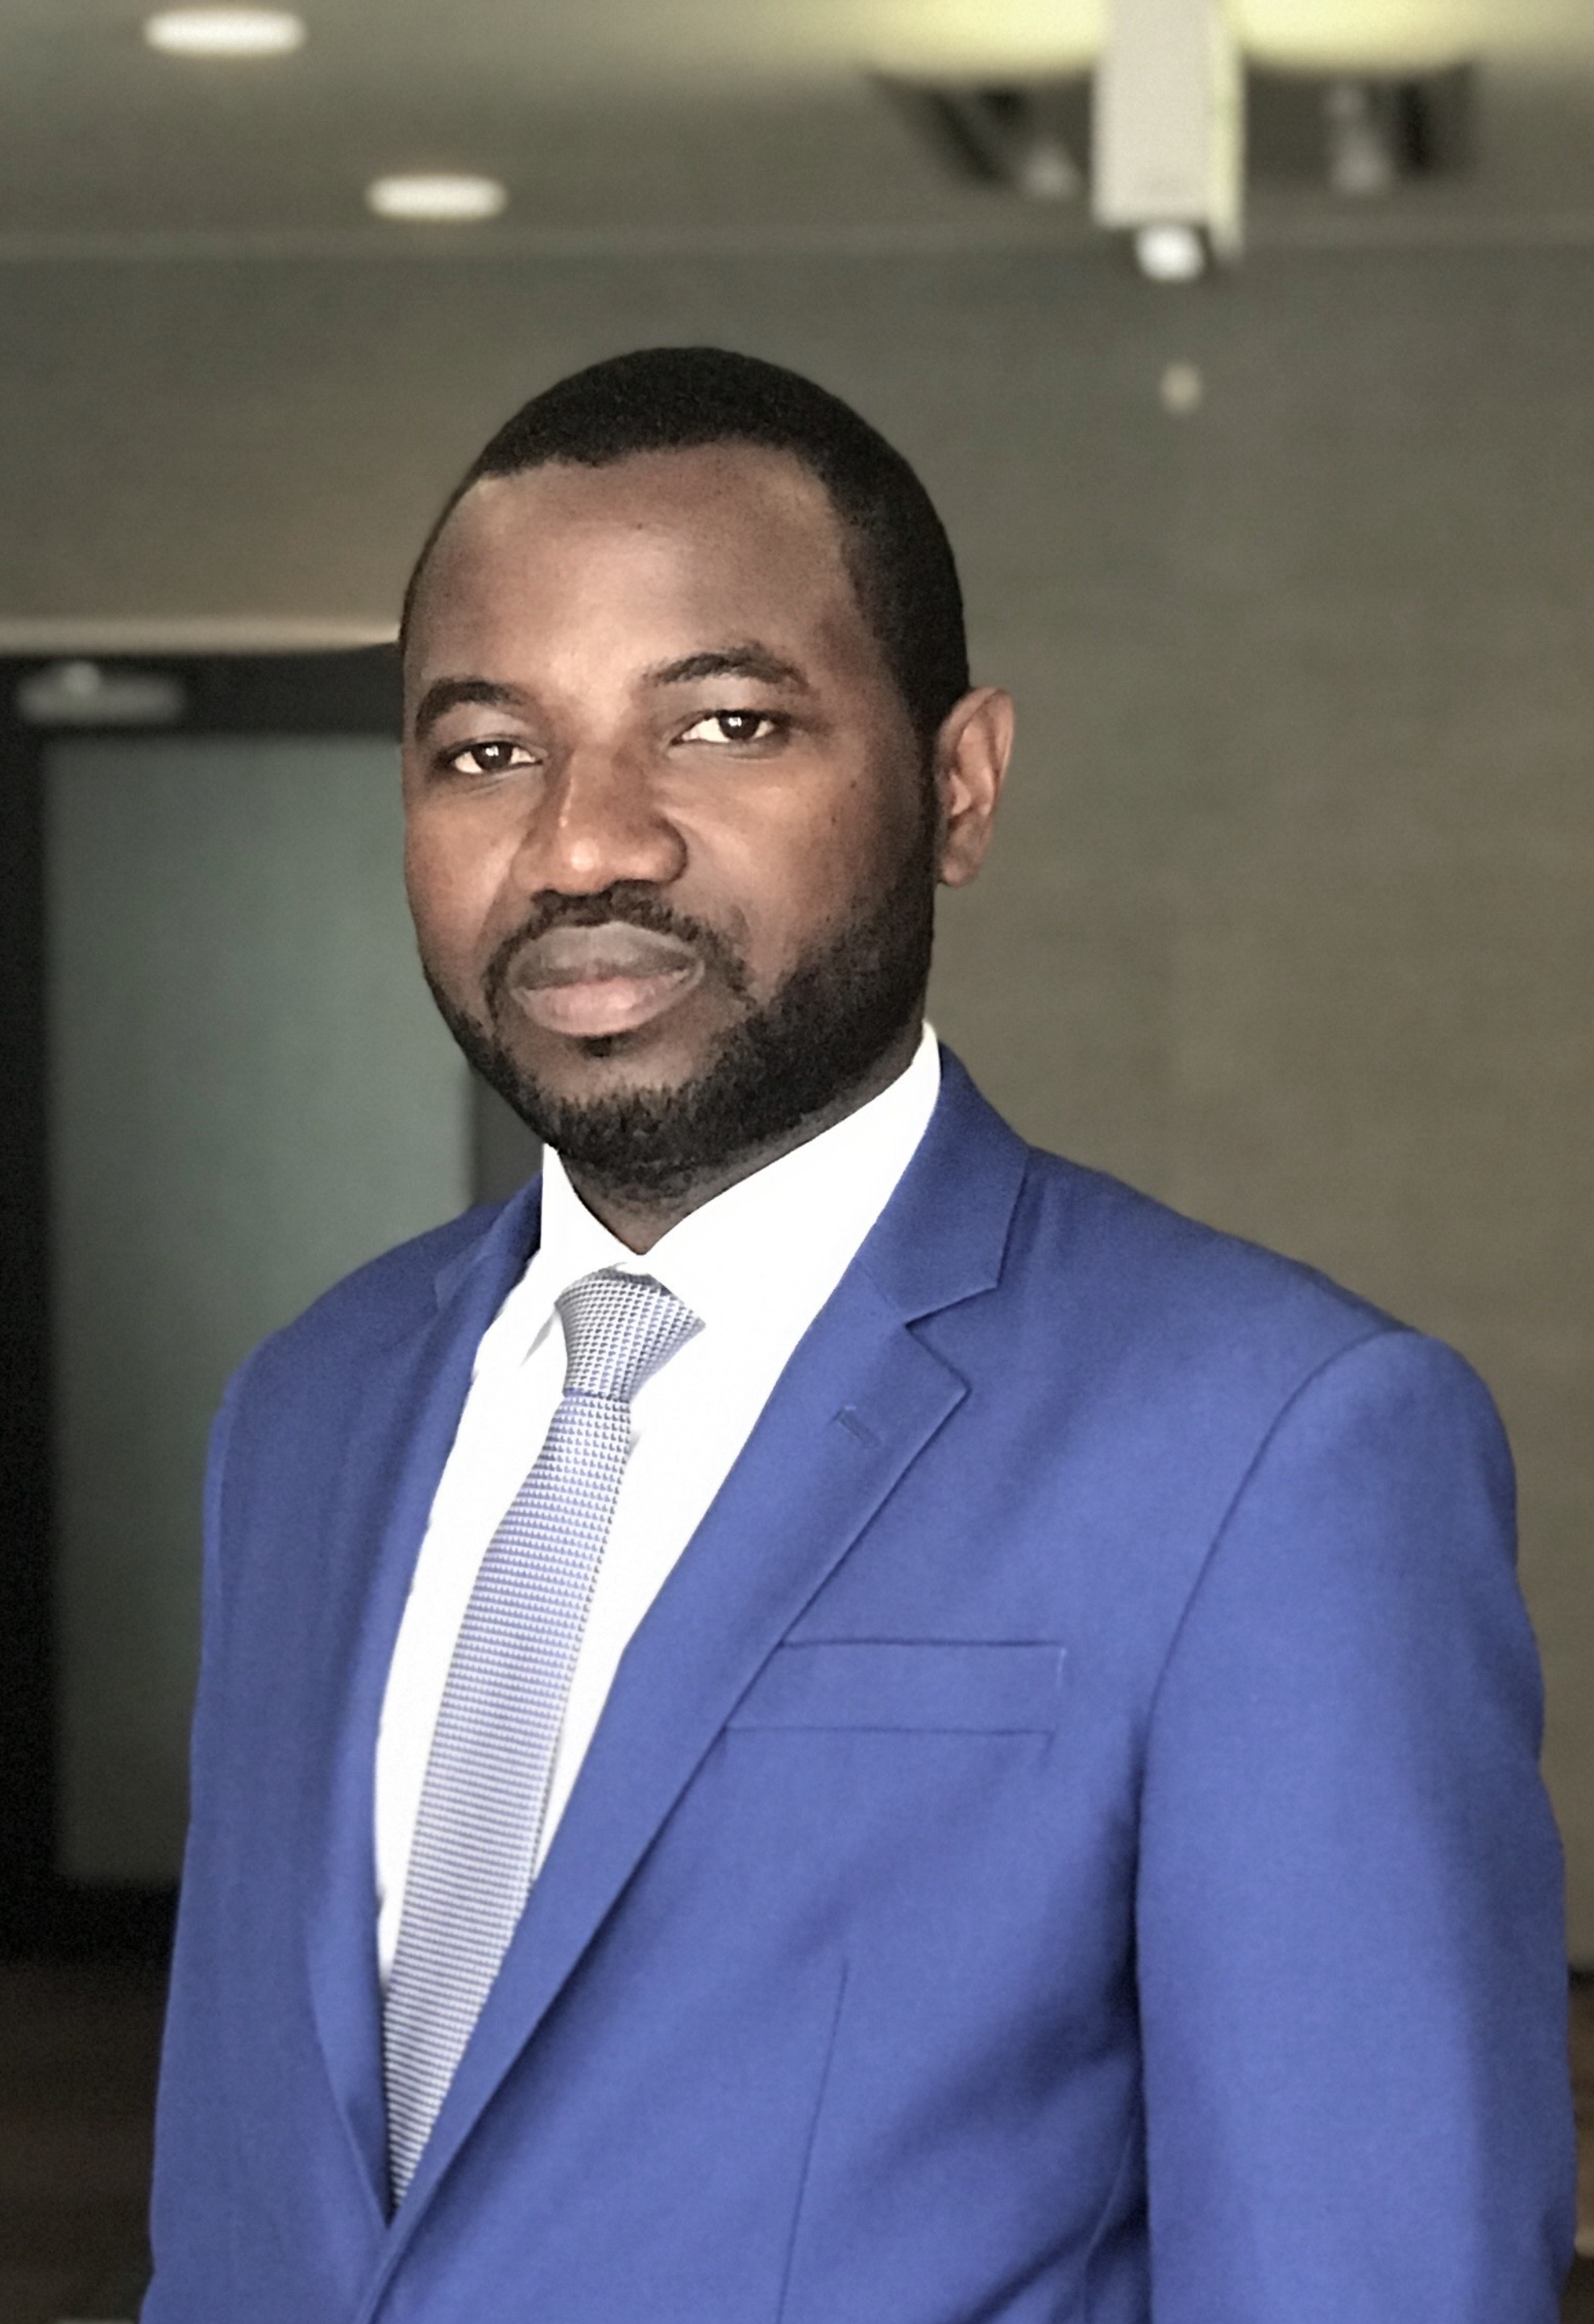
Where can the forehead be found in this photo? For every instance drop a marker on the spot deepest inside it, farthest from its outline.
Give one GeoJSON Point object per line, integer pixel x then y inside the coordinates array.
{"type": "Point", "coordinates": [666, 550]}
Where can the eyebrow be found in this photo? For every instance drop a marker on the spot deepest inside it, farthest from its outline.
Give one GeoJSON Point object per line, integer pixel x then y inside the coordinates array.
{"type": "Point", "coordinates": [447, 693]}
{"type": "Point", "coordinates": [754, 661]}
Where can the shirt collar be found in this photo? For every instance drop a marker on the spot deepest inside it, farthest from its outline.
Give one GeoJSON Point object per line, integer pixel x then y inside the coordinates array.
{"type": "Point", "coordinates": [775, 1243]}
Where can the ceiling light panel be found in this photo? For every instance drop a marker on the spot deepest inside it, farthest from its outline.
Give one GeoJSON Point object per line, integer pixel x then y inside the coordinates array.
{"type": "Point", "coordinates": [225, 32]}
{"type": "Point", "coordinates": [437, 198]}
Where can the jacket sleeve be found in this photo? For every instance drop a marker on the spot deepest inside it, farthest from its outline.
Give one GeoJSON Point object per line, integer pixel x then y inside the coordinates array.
{"type": "Point", "coordinates": [193, 2139]}
{"type": "Point", "coordinates": [1351, 1953]}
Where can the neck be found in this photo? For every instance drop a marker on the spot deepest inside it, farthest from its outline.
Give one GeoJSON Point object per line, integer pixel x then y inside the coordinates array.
{"type": "Point", "coordinates": [640, 1219]}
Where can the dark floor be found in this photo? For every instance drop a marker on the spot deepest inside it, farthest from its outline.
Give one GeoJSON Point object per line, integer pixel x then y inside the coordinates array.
{"type": "Point", "coordinates": [1578, 2307]}
{"type": "Point", "coordinates": [77, 2071]}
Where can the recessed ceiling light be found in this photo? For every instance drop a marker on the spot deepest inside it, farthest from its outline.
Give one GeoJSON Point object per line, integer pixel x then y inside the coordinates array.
{"type": "Point", "coordinates": [454, 200]}
{"type": "Point", "coordinates": [1171, 254]}
{"type": "Point", "coordinates": [225, 32]}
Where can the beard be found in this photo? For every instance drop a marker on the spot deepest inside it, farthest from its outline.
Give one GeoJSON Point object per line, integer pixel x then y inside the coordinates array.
{"type": "Point", "coordinates": [786, 1062]}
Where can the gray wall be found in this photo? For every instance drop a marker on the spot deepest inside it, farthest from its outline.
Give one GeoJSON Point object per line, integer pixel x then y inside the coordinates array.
{"type": "Point", "coordinates": [1292, 920]}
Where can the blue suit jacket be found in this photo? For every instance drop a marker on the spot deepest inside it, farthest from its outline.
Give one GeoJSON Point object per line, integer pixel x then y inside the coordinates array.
{"type": "Point", "coordinates": [1065, 1843]}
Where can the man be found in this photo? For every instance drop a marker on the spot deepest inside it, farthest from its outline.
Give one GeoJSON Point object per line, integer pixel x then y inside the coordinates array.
{"type": "Point", "coordinates": [825, 1718]}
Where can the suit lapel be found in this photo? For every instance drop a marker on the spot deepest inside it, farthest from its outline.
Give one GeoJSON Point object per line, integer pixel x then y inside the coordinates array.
{"type": "Point", "coordinates": [860, 1400]}
{"type": "Point", "coordinates": [411, 1409]}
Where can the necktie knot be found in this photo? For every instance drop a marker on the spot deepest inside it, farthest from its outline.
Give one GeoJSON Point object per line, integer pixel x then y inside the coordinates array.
{"type": "Point", "coordinates": [619, 1329]}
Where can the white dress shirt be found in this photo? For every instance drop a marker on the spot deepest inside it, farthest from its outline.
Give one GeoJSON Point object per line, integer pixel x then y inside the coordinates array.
{"type": "Point", "coordinates": [755, 1265]}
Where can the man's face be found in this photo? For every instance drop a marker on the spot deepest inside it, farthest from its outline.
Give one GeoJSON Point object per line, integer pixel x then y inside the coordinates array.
{"type": "Point", "coordinates": [670, 846]}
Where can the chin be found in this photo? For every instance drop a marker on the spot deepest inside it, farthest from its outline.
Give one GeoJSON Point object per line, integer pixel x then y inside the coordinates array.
{"type": "Point", "coordinates": [609, 1064]}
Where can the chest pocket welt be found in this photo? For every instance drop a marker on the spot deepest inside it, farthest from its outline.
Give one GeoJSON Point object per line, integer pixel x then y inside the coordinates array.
{"type": "Point", "coordinates": [943, 1686]}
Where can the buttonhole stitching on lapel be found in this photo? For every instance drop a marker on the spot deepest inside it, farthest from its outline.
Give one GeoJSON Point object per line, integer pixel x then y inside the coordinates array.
{"type": "Point", "coordinates": [854, 1426]}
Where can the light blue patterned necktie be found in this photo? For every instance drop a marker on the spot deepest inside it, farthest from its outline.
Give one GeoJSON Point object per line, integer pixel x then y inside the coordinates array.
{"type": "Point", "coordinates": [485, 1793]}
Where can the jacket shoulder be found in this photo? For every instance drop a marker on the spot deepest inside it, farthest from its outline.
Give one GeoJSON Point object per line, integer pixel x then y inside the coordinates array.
{"type": "Point", "coordinates": [1085, 1267]}
{"type": "Point", "coordinates": [1145, 1275]}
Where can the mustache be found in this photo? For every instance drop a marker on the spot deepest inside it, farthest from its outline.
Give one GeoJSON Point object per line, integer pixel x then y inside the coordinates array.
{"type": "Point", "coordinates": [625, 903]}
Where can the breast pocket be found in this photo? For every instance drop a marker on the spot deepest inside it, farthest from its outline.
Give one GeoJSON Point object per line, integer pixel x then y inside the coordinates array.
{"type": "Point", "coordinates": [942, 1686]}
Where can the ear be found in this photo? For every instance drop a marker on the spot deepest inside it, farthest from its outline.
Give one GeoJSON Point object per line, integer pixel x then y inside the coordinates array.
{"type": "Point", "coordinates": [971, 753]}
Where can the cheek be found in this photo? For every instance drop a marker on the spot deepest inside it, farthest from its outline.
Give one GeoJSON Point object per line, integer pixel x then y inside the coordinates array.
{"type": "Point", "coordinates": [855, 847]}
{"type": "Point", "coordinates": [807, 875]}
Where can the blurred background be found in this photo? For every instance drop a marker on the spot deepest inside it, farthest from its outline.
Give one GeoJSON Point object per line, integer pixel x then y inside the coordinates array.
{"type": "Point", "coordinates": [1250, 354]}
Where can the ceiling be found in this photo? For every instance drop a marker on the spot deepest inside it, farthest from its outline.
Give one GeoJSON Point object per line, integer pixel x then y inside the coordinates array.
{"type": "Point", "coordinates": [621, 123]}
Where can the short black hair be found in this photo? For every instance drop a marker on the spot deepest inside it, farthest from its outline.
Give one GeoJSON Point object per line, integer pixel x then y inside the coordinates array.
{"type": "Point", "coordinates": [674, 399]}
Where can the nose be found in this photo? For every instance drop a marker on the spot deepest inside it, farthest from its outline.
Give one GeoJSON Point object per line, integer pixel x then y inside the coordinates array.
{"type": "Point", "coordinates": [596, 822]}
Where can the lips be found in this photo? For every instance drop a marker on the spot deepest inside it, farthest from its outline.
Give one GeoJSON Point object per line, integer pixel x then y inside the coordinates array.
{"type": "Point", "coordinates": [586, 982]}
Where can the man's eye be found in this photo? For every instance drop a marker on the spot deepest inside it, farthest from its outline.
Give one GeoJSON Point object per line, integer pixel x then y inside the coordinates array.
{"type": "Point", "coordinates": [487, 758]}
{"type": "Point", "coordinates": [732, 726]}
